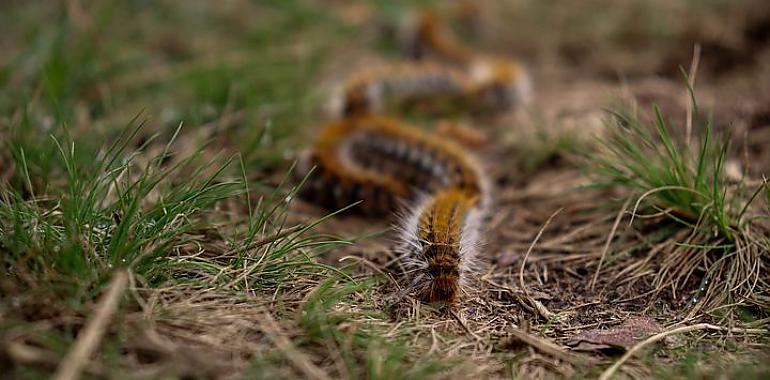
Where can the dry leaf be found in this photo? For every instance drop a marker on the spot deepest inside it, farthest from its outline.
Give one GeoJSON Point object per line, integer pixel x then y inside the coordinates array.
{"type": "Point", "coordinates": [621, 337]}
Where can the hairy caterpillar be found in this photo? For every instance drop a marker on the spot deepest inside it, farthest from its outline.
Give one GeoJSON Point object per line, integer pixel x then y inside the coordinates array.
{"type": "Point", "coordinates": [489, 86]}
{"type": "Point", "coordinates": [439, 243]}
{"type": "Point", "coordinates": [401, 86]}
{"type": "Point", "coordinates": [501, 83]}
{"type": "Point", "coordinates": [380, 161]}
{"type": "Point", "coordinates": [426, 37]}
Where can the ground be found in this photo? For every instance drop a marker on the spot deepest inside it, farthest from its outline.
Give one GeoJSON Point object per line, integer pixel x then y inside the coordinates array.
{"type": "Point", "coordinates": [150, 225]}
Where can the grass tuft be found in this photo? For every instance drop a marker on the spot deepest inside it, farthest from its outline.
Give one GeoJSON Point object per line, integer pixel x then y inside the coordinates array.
{"type": "Point", "coordinates": [681, 181]}
{"type": "Point", "coordinates": [110, 212]}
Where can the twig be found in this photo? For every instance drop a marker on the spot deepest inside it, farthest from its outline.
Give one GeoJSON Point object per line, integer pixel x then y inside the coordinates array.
{"type": "Point", "coordinates": [373, 267]}
{"type": "Point", "coordinates": [547, 347]}
{"type": "Point", "coordinates": [701, 326]}
{"type": "Point", "coordinates": [88, 340]}
{"type": "Point", "coordinates": [20, 352]}
{"type": "Point", "coordinates": [545, 313]}
{"type": "Point", "coordinates": [657, 190]}
{"type": "Point", "coordinates": [609, 241]}
{"type": "Point", "coordinates": [464, 326]}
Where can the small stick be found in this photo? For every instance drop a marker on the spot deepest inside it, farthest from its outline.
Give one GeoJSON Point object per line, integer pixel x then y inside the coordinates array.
{"type": "Point", "coordinates": [88, 340]}
{"type": "Point", "coordinates": [545, 313]}
{"type": "Point", "coordinates": [657, 190]}
{"type": "Point", "coordinates": [373, 267]}
{"type": "Point", "coordinates": [609, 241]}
{"type": "Point", "coordinates": [701, 326]}
{"type": "Point", "coordinates": [547, 347]}
{"type": "Point", "coordinates": [464, 326]}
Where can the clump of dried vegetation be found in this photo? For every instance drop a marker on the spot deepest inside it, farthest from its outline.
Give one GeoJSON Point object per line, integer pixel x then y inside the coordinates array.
{"type": "Point", "coordinates": [716, 235]}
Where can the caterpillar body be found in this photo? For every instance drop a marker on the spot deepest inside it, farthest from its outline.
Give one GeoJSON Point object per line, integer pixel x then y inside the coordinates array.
{"type": "Point", "coordinates": [439, 244]}
{"type": "Point", "coordinates": [426, 37]}
{"type": "Point", "coordinates": [501, 83]}
{"type": "Point", "coordinates": [401, 87]}
{"type": "Point", "coordinates": [383, 161]}
{"type": "Point", "coordinates": [489, 86]}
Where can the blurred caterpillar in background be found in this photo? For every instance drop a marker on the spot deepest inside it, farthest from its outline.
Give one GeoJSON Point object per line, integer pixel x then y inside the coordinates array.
{"type": "Point", "coordinates": [404, 86]}
{"type": "Point", "coordinates": [489, 87]}
{"type": "Point", "coordinates": [504, 83]}
{"type": "Point", "coordinates": [382, 161]}
{"type": "Point", "coordinates": [424, 37]}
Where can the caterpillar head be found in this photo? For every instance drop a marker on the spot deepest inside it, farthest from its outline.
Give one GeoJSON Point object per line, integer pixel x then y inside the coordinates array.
{"type": "Point", "coordinates": [354, 99]}
{"type": "Point", "coordinates": [444, 275]}
{"type": "Point", "coordinates": [500, 85]}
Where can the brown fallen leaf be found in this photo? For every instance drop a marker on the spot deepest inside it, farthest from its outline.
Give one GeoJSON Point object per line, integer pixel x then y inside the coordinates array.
{"type": "Point", "coordinates": [621, 337]}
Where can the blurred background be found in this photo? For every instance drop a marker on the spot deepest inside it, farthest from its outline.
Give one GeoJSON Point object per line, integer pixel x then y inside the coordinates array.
{"type": "Point", "coordinates": [260, 70]}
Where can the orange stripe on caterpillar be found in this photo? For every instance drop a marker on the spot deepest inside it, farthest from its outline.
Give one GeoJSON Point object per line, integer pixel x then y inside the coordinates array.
{"type": "Point", "coordinates": [340, 182]}
{"type": "Point", "coordinates": [471, 138]}
{"type": "Point", "coordinates": [442, 162]}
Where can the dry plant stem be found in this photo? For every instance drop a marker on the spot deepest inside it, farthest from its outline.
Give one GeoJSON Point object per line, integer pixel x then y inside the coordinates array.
{"type": "Point", "coordinates": [691, 79]}
{"type": "Point", "coordinates": [26, 354]}
{"type": "Point", "coordinates": [465, 326]}
{"type": "Point", "coordinates": [655, 338]}
{"type": "Point", "coordinates": [656, 190]}
{"type": "Point", "coordinates": [545, 313]}
{"type": "Point", "coordinates": [547, 347]}
{"type": "Point", "coordinates": [609, 241]}
{"type": "Point", "coordinates": [298, 359]}
{"type": "Point", "coordinates": [88, 340]}
{"type": "Point", "coordinates": [373, 267]}
{"type": "Point", "coordinates": [268, 240]}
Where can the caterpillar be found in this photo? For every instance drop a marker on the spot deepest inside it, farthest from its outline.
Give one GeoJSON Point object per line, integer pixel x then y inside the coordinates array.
{"type": "Point", "coordinates": [490, 86]}
{"type": "Point", "coordinates": [426, 37]}
{"type": "Point", "coordinates": [439, 243]}
{"type": "Point", "coordinates": [400, 87]}
{"type": "Point", "coordinates": [501, 83]}
{"type": "Point", "coordinates": [383, 161]}
{"type": "Point", "coordinates": [365, 156]}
